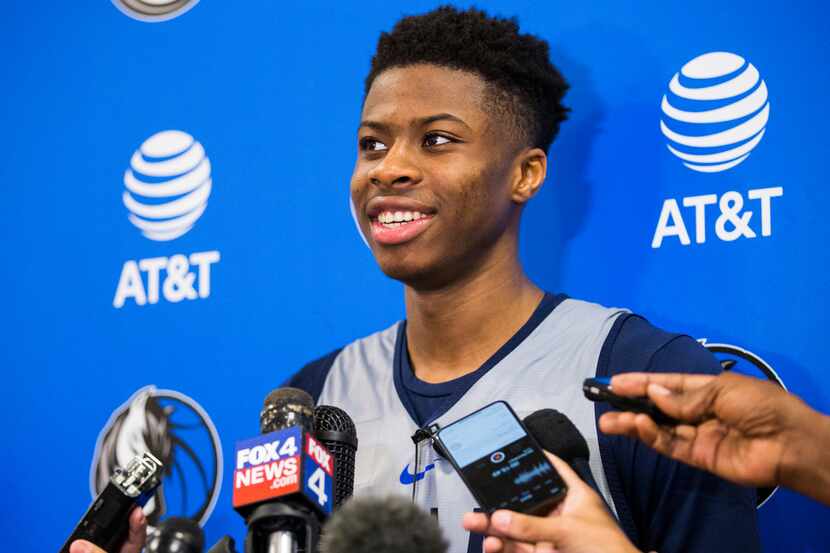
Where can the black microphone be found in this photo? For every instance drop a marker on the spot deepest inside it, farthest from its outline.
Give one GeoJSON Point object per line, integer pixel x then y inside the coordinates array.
{"type": "Point", "coordinates": [556, 433]}
{"type": "Point", "coordinates": [283, 479]}
{"type": "Point", "coordinates": [106, 522]}
{"type": "Point", "coordinates": [382, 525]}
{"type": "Point", "coordinates": [336, 430]}
{"type": "Point", "coordinates": [286, 407]}
{"type": "Point", "coordinates": [176, 535]}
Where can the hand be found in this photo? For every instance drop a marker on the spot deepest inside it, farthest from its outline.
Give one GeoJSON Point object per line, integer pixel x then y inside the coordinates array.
{"type": "Point", "coordinates": [135, 539]}
{"type": "Point", "coordinates": [746, 430]}
{"type": "Point", "coordinates": [580, 523]}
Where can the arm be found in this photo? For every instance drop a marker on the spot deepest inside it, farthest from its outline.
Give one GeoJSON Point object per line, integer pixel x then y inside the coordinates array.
{"type": "Point", "coordinates": [743, 429]}
{"type": "Point", "coordinates": [665, 505]}
{"type": "Point", "coordinates": [579, 524]}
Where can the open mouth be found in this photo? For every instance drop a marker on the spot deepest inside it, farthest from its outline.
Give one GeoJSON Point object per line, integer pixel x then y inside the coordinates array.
{"type": "Point", "coordinates": [396, 227]}
{"type": "Point", "coordinates": [394, 219]}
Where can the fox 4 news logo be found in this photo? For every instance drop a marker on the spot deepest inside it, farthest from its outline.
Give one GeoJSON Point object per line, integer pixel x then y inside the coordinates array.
{"type": "Point", "coordinates": [282, 463]}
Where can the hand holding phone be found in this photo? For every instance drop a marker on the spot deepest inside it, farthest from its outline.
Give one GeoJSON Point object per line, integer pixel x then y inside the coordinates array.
{"type": "Point", "coordinates": [599, 389]}
{"type": "Point", "coordinates": [501, 463]}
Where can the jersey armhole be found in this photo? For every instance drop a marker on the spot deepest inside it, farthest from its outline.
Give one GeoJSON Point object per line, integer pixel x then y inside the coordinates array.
{"type": "Point", "coordinates": [609, 463]}
{"type": "Point", "coordinates": [312, 377]}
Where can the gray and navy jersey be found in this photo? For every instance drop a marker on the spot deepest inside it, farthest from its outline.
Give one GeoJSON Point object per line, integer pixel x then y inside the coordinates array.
{"type": "Point", "coordinates": [662, 505]}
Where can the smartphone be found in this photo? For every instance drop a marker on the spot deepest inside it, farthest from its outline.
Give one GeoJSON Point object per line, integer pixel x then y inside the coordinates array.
{"type": "Point", "coordinates": [599, 389]}
{"type": "Point", "coordinates": [502, 465]}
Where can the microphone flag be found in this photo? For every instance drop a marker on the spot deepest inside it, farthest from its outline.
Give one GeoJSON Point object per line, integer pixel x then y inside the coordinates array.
{"type": "Point", "coordinates": [282, 463]}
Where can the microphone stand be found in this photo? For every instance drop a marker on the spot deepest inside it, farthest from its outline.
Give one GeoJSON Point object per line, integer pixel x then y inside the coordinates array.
{"type": "Point", "coordinates": [282, 528]}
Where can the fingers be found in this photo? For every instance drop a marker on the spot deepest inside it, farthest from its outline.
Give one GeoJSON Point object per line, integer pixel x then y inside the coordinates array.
{"type": "Point", "coordinates": [676, 442]}
{"type": "Point", "coordinates": [479, 523]}
{"type": "Point", "coordinates": [475, 522]}
{"type": "Point", "coordinates": [525, 528]}
{"type": "Point", "coordinates": [493, 545]}
{"type": "Point", "coordinates": [498, 545]}
{"type": "Point", "coordinates": [137, 534]}
{"type": "Point", "coordinates": [693, 404]}
{"type": "Point", "coordinates": [625, 424]}
{"type": "Point", "coordinates": [572, 479]}
{"type": "Point", "coordinates": [661, 438]}
{"type": "Point", "coordinates": [511, 532]}
{"type": "Point", "coordinates": [686, 397]}
{"type": "Point", "coordinates": [135, 538]}
{"type": "Point", "coordinates": [83, 546]}
{"type": "Point", "coordinates": [637, 384]}
{"type": "Point", "coordinates": [513, 526]}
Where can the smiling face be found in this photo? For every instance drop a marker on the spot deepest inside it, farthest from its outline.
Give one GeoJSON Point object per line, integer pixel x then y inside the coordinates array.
{"type": "Point", "coordinates": [437, 182]}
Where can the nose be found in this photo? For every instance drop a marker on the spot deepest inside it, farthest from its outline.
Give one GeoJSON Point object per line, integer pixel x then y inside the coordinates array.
{"type": "Point", "coordinates": [396, 169]}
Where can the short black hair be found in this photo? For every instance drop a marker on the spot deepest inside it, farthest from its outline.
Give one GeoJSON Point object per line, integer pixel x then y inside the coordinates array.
{"type": "Point", "coordinates": [524, 83]}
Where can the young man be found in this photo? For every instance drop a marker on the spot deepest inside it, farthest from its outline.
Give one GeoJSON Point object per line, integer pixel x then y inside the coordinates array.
{"type": "Point", "coordinates": [460, 110]}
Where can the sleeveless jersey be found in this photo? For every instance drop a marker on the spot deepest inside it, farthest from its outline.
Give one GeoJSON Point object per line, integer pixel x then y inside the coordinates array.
{"type": "Point", "coordinates": [543, 369]}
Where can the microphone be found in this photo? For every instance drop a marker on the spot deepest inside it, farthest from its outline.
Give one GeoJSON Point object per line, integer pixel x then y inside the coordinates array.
{"type": "Point", "coordinates": [336, 430]}
{"type": "Point", "coordinates": [106, 522]}
{"type": "Point", "coordinates": [382, 525]}
{"type": "Point", "coordinates": [287, 407]}
{"type": "Point", "coordinates": [556, 433]}
{"type": "Point", "coordinates": [282, 482]}
{"type": "Point", "coordinates": [176, 535]}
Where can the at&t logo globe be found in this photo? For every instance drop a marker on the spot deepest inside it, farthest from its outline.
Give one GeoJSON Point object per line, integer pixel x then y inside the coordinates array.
{"type": "Point", "coordinates": [715, 112]}
{"type": "Point", "coordinates": [167, 189]}
{"type": "Point", "coordinates": [168, 185]}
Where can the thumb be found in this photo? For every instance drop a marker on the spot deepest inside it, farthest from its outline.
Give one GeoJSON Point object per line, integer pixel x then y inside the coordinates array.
{"type": "Point", "coordinates": [83, 546]}
{"type": "Point", "coordinates": [571, 478]}
{"type": "Point", "coordinates": [137, 534]}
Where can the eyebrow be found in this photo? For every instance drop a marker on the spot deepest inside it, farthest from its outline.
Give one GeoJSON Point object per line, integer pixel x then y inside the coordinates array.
{"type": "Point", "coordinates": [421, 121]}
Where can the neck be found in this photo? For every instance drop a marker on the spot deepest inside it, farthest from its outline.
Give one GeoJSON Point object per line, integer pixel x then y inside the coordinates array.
{"type": "Point", "coordinates": [453, 330]}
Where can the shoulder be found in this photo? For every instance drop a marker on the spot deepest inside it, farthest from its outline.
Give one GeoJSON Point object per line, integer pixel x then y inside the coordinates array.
{"type": "Point", "coordinates": [634, 344]}
{"type": "Point", "coordinates": [585, 313]}
{"type": "Point", "coordinates": [663, 504]}
{"type": "Point", "coordinates": [312, 376]}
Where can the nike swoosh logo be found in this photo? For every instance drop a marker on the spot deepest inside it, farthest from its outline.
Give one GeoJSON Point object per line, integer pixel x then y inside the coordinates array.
{"type": "Point", "coordinates": [408, 478]}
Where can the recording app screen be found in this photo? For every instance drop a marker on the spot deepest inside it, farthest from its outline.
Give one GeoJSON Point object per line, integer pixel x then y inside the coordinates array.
{"type": "Point", "coordinates": [499, 461]}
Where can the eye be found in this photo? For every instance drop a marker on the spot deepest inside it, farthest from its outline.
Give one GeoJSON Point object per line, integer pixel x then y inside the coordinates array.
{"type": "Point", "coordinates": [371, 145]}
{"type": "Point", "coordinates": [433, 139]}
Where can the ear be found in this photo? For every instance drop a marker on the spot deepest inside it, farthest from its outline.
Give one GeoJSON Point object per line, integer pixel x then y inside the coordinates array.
{"type": "Point", "coordinates": [531, 166]}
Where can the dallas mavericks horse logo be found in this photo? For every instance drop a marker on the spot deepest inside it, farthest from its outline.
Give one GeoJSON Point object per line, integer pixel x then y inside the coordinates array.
{"type": "Point", "coordinates": [175, 429]}
{"type": "Point", "coordinates": [742, 360]}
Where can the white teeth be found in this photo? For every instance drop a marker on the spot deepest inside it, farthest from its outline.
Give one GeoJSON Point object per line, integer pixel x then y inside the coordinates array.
{"type": "Point", "coordinates": [394, 219]}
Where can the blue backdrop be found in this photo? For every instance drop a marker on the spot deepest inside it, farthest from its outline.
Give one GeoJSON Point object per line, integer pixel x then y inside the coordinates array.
{"type": "Point", "coordinates": [272, 94]}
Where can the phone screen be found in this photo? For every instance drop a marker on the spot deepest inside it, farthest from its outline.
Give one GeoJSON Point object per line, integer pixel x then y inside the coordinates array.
{"type": "Point", "coordinates": [499, 462]}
